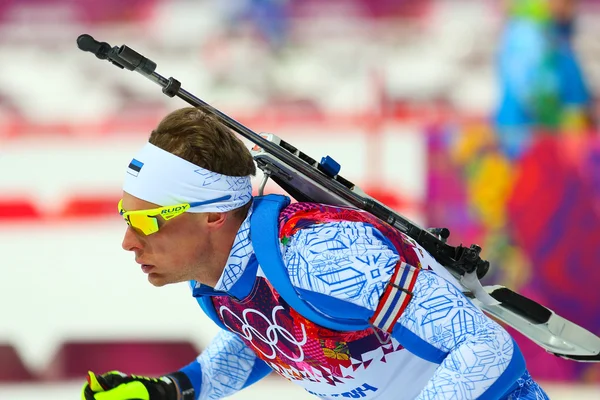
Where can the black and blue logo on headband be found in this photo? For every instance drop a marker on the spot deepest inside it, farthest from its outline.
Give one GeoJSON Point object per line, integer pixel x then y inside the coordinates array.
{"type": "Point", "coordinates": [135, 167]}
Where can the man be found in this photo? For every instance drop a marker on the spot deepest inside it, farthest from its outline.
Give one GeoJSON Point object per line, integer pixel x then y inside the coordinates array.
{"type": "Point", "coordinates": [543, 88]}
{"type": "Point", "coordinates": [187, 200]}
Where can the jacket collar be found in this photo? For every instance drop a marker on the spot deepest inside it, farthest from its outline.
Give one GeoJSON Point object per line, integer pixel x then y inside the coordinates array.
{"type": "Point", "coordinates": [240, 269]}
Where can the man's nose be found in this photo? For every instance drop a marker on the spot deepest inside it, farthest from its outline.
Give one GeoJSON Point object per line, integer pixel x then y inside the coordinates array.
{"type": "Point", "coordinates": [131, 240]}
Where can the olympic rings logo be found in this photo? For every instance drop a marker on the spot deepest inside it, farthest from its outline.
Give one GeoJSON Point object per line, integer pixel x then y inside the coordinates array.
{"type": "Point", "coordinates": [272, 335]}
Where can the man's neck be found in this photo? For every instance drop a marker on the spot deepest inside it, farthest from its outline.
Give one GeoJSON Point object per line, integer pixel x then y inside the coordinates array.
{"type": "Point", "coordinates": [235, 245]}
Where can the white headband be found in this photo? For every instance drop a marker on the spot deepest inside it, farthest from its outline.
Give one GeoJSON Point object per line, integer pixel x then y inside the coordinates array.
{"type": "Point", "coordinates": [162, 178]}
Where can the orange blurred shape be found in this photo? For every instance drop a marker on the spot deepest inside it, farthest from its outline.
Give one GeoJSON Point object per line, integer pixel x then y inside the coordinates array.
{"type": "Point", "coordinates": [18, 209]}
{"type": "Point", "coordinates": [389, 197]}
{"type": "Point", "coordinates": [84, 206]}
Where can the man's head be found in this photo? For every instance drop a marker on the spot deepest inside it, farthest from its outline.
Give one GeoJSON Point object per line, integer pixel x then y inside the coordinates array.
{"type": "Point", "coordinates": [563, 11]}
{"type": "Point", "coordinates": [558, 11]}
{"type": "Point", "coordinates": [194, 162]}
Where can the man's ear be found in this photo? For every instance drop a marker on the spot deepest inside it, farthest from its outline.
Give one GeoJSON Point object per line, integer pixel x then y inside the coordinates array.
{"type": "Point", "coordinates": [216, 219]}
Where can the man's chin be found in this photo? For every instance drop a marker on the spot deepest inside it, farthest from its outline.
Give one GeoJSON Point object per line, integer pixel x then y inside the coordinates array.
{"type": "Point", "coordinates": [158, 280]}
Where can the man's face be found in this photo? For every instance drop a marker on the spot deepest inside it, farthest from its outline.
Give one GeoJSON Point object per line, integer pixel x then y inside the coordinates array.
{"type": "Point", "coordinates": [562, 10]}
{"type": "Point", "coordinates": [180, 251]}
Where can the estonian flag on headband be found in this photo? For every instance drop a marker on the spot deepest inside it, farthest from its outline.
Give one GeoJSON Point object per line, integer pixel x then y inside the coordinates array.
{"type": "Point", "coordinates": [135, 167]}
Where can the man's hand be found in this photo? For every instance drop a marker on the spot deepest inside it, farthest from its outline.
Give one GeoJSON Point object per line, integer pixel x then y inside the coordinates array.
{"type": "Point", "coordinates": [116, 385]}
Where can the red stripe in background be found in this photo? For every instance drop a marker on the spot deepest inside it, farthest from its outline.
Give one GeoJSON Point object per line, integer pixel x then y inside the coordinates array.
{"type": "Point", "coordinates": [271, 119]}
{"type": "Point", "coordinates": [18, 208]}
{"type": "Point", "coordinates": [97, 205]}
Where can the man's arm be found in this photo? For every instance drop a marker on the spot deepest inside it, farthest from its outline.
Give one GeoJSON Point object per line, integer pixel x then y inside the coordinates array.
{"type": "Point", "coordinates": [336, 263]}
{"type": "Point", "coordinates": [476, 356]}
{"type": "Point", "coordinates": [226, 366]}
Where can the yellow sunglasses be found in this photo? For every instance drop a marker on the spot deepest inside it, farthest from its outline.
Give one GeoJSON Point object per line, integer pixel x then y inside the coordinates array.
{"type": "Point", "coordinates": [146, 221]}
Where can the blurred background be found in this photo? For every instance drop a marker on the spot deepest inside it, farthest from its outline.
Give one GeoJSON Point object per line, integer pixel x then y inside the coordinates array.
{"type": "Point", "coordinates": [475, 115]}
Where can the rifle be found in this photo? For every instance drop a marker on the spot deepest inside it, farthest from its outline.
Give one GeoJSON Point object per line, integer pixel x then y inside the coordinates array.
{"type": "Point", "coordinates": [307, 180]}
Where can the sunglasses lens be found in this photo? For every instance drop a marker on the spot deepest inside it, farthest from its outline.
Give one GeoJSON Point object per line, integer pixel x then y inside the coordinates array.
{"type": "Point", "coordinates": [148, 224]}
{"type": "Point", "coordinates": [143, 223]}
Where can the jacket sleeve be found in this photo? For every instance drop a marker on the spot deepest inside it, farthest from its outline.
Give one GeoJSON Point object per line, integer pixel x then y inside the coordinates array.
{"type": "Point", "coordinates": [225, 367]}
{"type": "Point", "coordinates": [342, 269]}
{"type": "Point", "coordinates": [477, 358]}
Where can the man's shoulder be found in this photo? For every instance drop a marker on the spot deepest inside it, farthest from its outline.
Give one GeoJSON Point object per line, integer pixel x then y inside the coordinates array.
{"type": "Point", "coordinates": [352, 251]}
{"type": "Point", "coordinates": [338, 236]}
{"type": "Point", "coordinates": [346, 260]}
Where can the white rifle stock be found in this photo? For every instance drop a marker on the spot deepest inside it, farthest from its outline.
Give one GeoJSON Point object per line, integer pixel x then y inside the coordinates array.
{"type": "Point", "coordinates": [305, 179]}
{"type": "Point", "coordinates": [554, 333]}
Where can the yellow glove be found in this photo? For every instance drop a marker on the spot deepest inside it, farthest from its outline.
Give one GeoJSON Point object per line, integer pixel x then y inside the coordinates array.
{"type": "Point", "coordinates": [116, 385]}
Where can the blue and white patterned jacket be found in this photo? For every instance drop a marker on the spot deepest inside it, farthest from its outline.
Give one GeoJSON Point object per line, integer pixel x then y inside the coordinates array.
{"type": "Point", "coordinates": [450, 349]}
